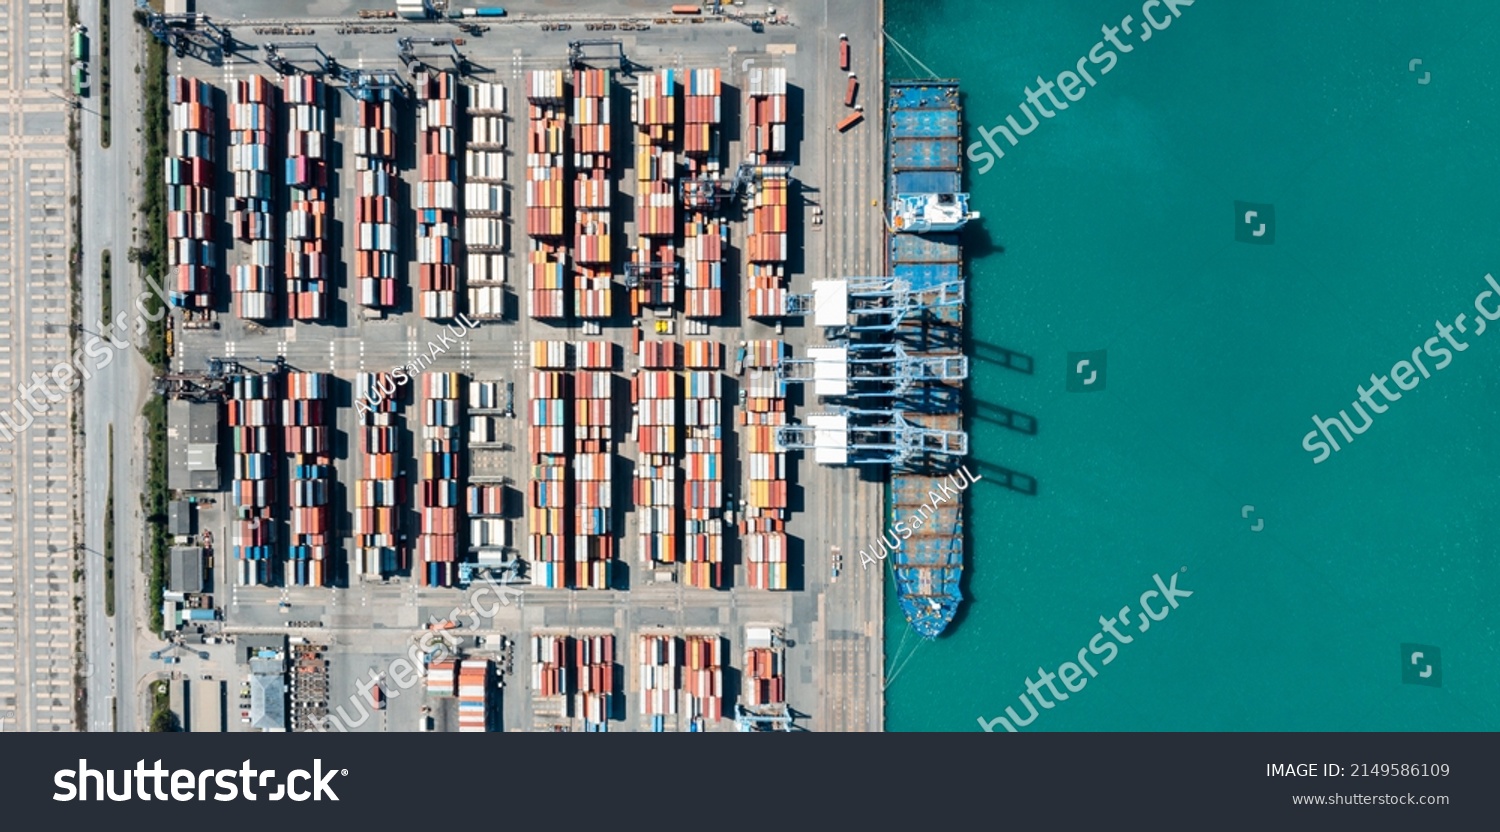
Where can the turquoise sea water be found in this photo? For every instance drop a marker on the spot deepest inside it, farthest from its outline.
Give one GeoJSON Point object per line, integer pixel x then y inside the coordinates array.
{"type": "Point", "coordinates": [1111, 226]}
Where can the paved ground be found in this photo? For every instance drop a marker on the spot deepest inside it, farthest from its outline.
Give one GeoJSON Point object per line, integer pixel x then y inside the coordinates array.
{"type": "Point", "coordinates": [36, 503]}
{"type": "Point", "coordinates": [834, 626]}
{"type": "Point", "coordinates": [114, 396]}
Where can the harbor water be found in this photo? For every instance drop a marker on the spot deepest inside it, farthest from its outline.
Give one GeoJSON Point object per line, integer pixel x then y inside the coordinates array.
{"type": "Point", "coordinates": [1352, 593]}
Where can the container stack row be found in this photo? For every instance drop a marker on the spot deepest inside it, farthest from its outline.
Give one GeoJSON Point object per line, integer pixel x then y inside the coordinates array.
{"type": "Point", "coordinates": [660, 676]}
{"type": "Point", "coordinates": [593, 451]}
{"type": "Point", "coordinates": [252, 107]}
{"type": "Point", "coordinates": [442, 678]}
{"type": "Point", "coordinates": [704, 239]}
{"type": "Point", "coordinates": [192, 254]}
{"type": "Point", "coordinates": [766, 247]}
{"type": "Point", "coordinates": [307, 218]}
{"type": "Point", "coordinates": [251, 415]}
{"type": "Point", "coordinates": [489, 529]}
{"type": "Point", "coordinates": [654, 259]}
{"type": "Point", "coordinates": [766, 117]}
{"type": "Point", "coordinates": [658, 508]}
{"type": "Point", "coordinates": [594, 658]}
{"type": "Point", "coordinates": [306, 414]}
{"type": "Point", "coordinates": [485, 226]}
{"type": "Point", "coordinates": [440, 462]}
{"type": "Point", "coordinates": [701, 116]}
{"type": "Point", "coordinates": [378, 493]}
{"type": "Point", "coordinates": [438, 240]}
{"type": "Point", "coordinates": [763, 528]}
{"type": "Point", "coordinates": [703, 677]}
{"type": "Point", "coordinates": [764, 679]}
{"type": "Point", "coordinates": [592, 253]}
{"type": "Point", "coordinates": [551, 675]}
{"type": "Point", "coordinates": [476, 679]}
{"type": "Point", "coordinates": [548, 406]}
{"type": "Point", "coordinates": [546, 156]}
{"type": "Point", "coordinates": [703, 462]}
{"type": "Point", "coordinates": [376, 264]}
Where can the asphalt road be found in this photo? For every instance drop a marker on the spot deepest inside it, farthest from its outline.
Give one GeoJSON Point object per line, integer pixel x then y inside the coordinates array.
{"type": "Point", "coordinates": [114, 396]}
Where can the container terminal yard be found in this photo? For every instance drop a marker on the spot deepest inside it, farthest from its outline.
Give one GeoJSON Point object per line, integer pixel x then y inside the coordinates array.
{"type": "Point", "coordinates": [488, 344]}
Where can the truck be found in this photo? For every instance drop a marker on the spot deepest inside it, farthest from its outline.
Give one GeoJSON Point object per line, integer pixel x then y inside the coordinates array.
{"type": "Point", "coordinates": [844, 52]}
{"type": "Point", "coordinates": [851, 90]}
{"type": "Point", "coordinates": [478, 11]}
{"type": "Point", "coordinates": [850, 120]}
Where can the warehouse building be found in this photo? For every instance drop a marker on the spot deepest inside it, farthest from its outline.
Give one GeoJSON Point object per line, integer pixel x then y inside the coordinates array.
{"type": "Point", "coordinates": [193, 446]}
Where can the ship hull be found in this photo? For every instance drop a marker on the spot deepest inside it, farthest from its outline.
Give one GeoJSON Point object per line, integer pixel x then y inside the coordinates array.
{"type": "Point", "coordinates": [924, 155]}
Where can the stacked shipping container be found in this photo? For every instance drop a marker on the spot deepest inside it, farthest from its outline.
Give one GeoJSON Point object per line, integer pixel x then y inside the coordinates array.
{"type": "Point", "coordinates": [307, 219]}
{"type": "Point", "coordinates": [703, 678]}
{"type": "Point", "coordinates": [592, 254]}
{"type": "Point", "coordinates": [489, 529]}
{"type": "Point", "coordinates": [475, 681]}
{"type": "Point", "coordinates": [378, 492]}
{"type": "Point", "coordinates": [251, 108]}
{"type": "Point", "coordinates": [763, 527]}
{"type": "Point", "coordinates": [593, 451]}
{"type": "Point", "coordinates": [764, 682]}
{"type": "Point", "coordinates": [437, 194]}
{"type": "Point", "coordinates": [766, 240]}
{"type": "Point", "coordinates": [701, 114]}
{"type": "Point", "coordinates": [251, 414]}
{"type": "Point", "coordinates": [595, 662]}
{"type": "Point", "coordinates": [442, 678]}
{"type": "Point", "coordinates": [377, 180]}
{"type": "Point", "coordinates": [484, 202]}
{"type": "Point", "coordinates": [661, 664]}
{"type": "Point", "coordinates": [546, 158]}
{"type": "Point", "coordinates": [703, 462]}
{"type": "Point", "coordinates": [767, 113]}
{"type": "Point", "coordinates": [306, 414]}
{"type": "Point", "coordinates": [704, 235]}
{"type": "Point", "coordinates": [766, 248]}
{"type": "Point", "coordinates": [550, 674]}
{"type": "Point", "coordinates": [654, 111]}
{"type": "Point", "coordinates": [548, 501]}
{"type": "Point", "coordinates": [440, 477]}
{"type": "Point", "coordinates": [192, 254]}
{"type": "Point", "coordinates": [654, 393]}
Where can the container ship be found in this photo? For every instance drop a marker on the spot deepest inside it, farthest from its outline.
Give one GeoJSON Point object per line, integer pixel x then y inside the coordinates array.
{"type": "Point", "coordinates": [924, 182]}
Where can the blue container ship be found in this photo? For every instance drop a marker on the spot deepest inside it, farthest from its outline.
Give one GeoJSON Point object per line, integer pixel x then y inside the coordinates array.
{"type": "Point", "coordinates": [924, 189]}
